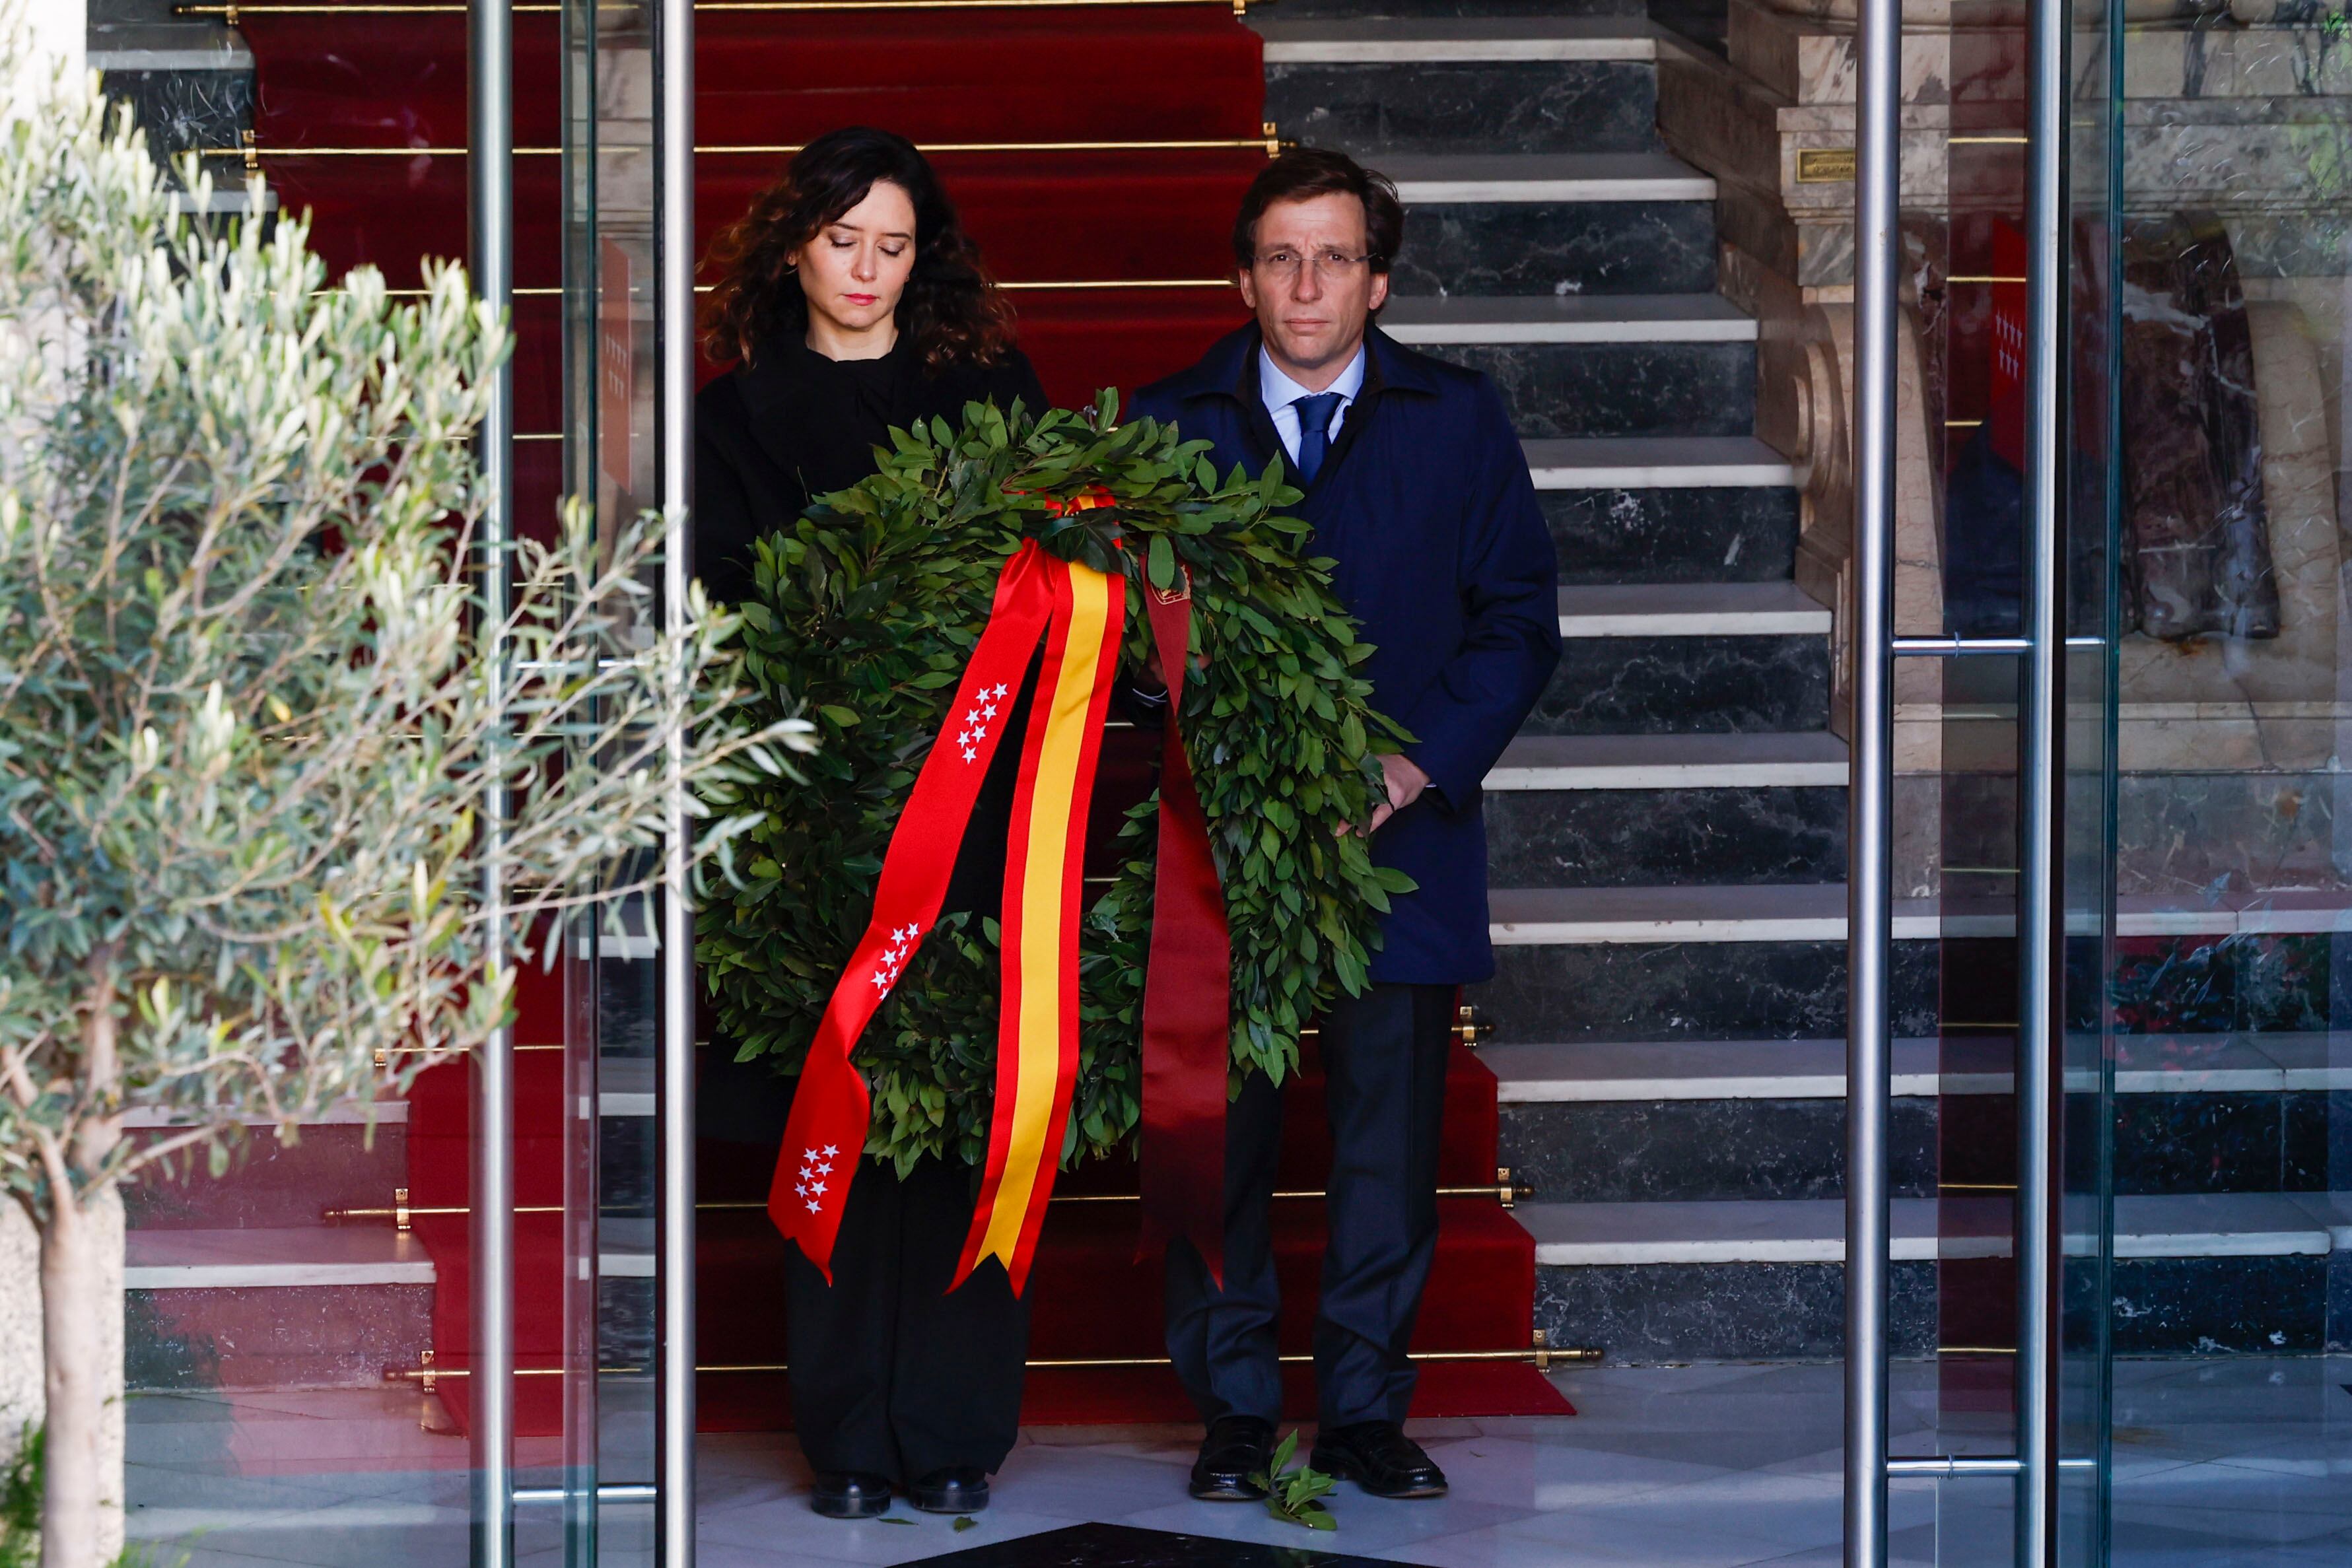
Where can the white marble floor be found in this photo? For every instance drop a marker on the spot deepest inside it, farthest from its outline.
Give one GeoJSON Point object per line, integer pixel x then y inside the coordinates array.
{"type": "Point", "coordinates": [2231, 1464]}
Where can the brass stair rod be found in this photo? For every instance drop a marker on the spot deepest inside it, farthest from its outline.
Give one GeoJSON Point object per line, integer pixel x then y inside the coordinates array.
{"type": "Point", "coordinates": [1267, 142]}
{"type": "Point", "coordinates": [1541, 1356]}
{"type": "Point", "coordinates": [1502, 1187]}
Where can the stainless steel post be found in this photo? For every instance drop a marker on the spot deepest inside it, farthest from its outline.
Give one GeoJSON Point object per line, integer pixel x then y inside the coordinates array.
{"type": "Point", "coordinates": [1870, 910]}
{"type": "Point", "coordinates": [674, 329]}
{"type": "Point", "coordinates": [489, 57]}
{"type": "Point", "coordinates": [2041, 926]}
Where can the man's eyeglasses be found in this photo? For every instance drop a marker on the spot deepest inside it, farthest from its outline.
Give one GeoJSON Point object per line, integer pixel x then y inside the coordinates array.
{"type": "Point", "coordinates": [1288, 264]}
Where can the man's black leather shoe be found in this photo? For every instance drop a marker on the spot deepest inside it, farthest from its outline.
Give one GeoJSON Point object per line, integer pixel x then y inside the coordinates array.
{"type": "Point", "coordinates": [1236, 1449]}
{"type": "Point", "coordinates": [1378, 1457]}
{"type": "Point", "coordinates": [850, 1494]}
{"type": "Point", "coordinates": [956, 1488]}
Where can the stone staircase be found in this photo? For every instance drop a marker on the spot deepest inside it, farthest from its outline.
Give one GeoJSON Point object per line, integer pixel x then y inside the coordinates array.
{"type": "Point", "coordinates": [1667, 836]}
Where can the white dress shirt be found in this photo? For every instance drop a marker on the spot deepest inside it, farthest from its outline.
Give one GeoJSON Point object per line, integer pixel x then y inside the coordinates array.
{"type": "Point", "coordinates": [1282, 394]}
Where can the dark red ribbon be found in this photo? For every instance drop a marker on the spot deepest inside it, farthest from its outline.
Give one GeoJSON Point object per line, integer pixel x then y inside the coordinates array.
{"type": "Point", "coordinates": [1187, 989]}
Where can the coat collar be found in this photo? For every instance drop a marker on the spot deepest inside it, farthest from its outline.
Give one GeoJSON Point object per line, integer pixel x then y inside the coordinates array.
{"type": "Point", "coordinates": [1230, 368]}
{"type": "Point", "coordinates": [1228, 371]}
{"type": "Point", "coordinates": [781, 391]}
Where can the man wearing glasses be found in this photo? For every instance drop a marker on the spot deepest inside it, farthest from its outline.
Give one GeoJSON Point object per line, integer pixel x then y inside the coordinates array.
{"type": "Point", "coordinates": [1417, 487]}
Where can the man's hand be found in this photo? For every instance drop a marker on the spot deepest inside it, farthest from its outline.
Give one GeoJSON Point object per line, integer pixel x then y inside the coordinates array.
{"type": "Point", "coordinates": [1405, 781]}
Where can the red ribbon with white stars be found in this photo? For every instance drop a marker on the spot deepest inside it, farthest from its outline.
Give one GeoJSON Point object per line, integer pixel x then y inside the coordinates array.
{"type": "Point", "coordinates": [825, 1136]}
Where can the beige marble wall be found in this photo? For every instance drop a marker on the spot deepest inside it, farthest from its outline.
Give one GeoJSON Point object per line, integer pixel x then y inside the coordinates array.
{"type": "Point", "coordinates": [2220, 704]}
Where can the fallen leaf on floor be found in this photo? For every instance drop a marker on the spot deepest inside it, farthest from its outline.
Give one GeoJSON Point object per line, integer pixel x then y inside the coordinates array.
{"type": "Point", "coordinates": [965, 1521]}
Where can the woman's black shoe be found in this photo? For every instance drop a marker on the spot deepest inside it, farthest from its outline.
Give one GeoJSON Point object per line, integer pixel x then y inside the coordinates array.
{"type": "Point", "coordinates": [1237, 1448]}
{"type": "Point", "coordinates": [1378, 1457]}
{"type": "Point", "coordinates": [956, 1489]}
{"type": "Point", "coordinates": [850, 1494]}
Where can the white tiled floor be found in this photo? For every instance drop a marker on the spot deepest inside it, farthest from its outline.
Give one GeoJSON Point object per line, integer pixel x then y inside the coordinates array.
{"type": "Point", "coordinates": [2236, 1464]}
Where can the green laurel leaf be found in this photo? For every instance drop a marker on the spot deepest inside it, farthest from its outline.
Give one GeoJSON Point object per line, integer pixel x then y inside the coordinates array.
{"type": "Point", "coordinates": [868, 607]}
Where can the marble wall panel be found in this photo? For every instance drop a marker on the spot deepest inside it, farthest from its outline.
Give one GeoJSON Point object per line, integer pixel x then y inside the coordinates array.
{"type": "Point", "coordinates": [1630, 685]}
{"type": "Point", "coordinates": [1619, 389]}
{"type": "Point", "coordinates": [1693, 990]}
{"type": "Point", "coordinates": [1621, 1151]}
{"type": "Point", "coordinates": [1674, 536]}
{"type": "Point", "coordinates": [1488, 107]}
{"type": "Point", "coordinates": [1650, 838]}
{"type": "Point", "coordinates": [1646, 1313]}
{"type": "Point", "coordinates": [1558, 248]}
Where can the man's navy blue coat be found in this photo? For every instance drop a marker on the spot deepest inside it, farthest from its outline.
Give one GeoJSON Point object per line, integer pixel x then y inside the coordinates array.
{"type": "Point", "coordinates": [1425, 504]}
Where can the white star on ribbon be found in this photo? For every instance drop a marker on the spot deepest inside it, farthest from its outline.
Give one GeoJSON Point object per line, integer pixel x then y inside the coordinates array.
{"type": "Point", "coordinates": [814, 1207]}
{"type": "Point", "coordinates": [830, 1151]}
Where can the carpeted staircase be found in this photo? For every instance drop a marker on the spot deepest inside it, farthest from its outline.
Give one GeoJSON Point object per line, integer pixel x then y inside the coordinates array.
{"type": "Point", "coordinates": [1117, 253]}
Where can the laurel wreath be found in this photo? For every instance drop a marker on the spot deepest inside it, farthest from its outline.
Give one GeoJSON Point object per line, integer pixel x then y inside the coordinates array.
{"type": "Point", "coordinates": [866, 613]}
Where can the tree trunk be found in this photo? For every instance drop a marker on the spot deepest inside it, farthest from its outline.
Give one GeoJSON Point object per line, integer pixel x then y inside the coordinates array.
{"type": "Point", "coordinates": [73, 1306]}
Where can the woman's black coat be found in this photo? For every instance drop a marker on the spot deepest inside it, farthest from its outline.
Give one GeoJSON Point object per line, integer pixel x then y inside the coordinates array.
{"type": "Point", "coordinates": [792, 424]}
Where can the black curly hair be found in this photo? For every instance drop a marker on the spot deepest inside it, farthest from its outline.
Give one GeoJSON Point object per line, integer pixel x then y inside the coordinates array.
{"type": "Point", "coordinates": [951, 310]}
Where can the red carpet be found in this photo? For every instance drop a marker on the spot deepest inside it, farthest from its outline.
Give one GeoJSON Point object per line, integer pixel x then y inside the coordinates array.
{"type": "Point", "coordinates": [1140, 218]}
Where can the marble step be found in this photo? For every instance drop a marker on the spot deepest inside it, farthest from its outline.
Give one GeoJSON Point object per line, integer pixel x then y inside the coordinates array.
{"type": "Point", "coordinates": [1817, 913]}
{"type": "Point", "coordinates": [281, 1307]}
{"type": "Point", "coordinates": [1629, 684]}
{"type": "Point", "coordinates": [1574, 85]}
{"type": "Point", "coordinates": [1454, 40]}
{"type": "Point", "coordinates": [1567, 318]}
{"type": "Point", "coordinates": [191, 82]}
{"type": "Point", "coordinates": [1650, 762]}
{"type": "Point", "coordinates": [1542, 917]}
{"type": "Point", "coordinates": [1646, 837]}
{"type": "Point", "coordinates": [2205, 1274]}
{"type": "Point", "coordinates": [1812, 1231]}
{"type": "Point", "coordinates": [1587, 1071]}
{"type": "Point", "coordinates": [1691, 610]}
{"type": "Point", "coordinates": [1553, 223]}
{"type": "Point", "coordinates": [1568, 390]}
{"type": "Point", "coordinates": [273, 1182]}
{"type": "Point", "coordinates": [1678, 534]}
{"type": "Point", "coordinates": [1423, 10]}
{"type": "Point", "coordinates": [1684, 1120]}
{"type": "Point", "coordinates": [1648, 463]}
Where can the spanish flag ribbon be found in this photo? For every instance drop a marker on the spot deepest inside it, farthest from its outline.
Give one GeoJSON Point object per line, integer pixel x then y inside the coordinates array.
{"type": "Point", "coordinates": [1076, 612]}
{"type": "Point", "coordinates": [1037, 1022]}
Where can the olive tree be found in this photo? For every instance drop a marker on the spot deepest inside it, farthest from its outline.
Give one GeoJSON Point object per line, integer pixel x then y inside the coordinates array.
{"type": "Point", "coordinates": [247, 717]}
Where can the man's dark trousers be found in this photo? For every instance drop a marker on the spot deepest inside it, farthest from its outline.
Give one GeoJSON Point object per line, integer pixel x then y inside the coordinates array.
{"type": "Point", "coordinates": [1384, 1056]}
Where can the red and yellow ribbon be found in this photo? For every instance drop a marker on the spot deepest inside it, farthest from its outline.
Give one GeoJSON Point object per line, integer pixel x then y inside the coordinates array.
{"type": "Point", "coordinates": [1037, 1025]}
{"type": "Point", "coordinates": [1076, 612]}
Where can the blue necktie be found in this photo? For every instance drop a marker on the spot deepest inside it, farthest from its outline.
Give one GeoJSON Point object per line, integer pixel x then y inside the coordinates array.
{"type": "Point", "coordinates": [1315, 413]}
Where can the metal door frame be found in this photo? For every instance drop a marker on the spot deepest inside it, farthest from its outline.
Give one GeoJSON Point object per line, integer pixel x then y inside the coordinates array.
{"type": "Point", "coordinates": [490, 213]}
{"type": "Point", "coordinates": [1870, 913]}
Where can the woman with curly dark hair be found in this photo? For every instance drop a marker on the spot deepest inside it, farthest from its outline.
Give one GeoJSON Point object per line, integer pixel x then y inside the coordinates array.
{"type": "Point", "coordinates": [852, 301]}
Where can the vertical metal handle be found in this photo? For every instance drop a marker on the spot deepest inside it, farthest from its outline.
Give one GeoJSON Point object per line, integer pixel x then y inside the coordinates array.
{"type": "Point", "coordinates": [673, 328]}
{"type": "Point", "coordinates": [1870, 912]}
{"type": "Point", "coordinates": [489, 57]}
{"type": "Point", "coordinates": [2041, 926]}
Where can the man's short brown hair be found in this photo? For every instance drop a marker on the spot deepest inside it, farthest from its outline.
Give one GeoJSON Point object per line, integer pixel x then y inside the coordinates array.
{"type": "Point", "coordinates": [1301, 173]}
